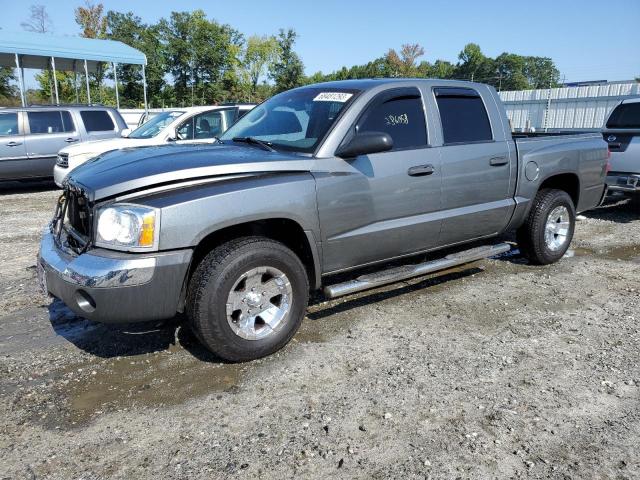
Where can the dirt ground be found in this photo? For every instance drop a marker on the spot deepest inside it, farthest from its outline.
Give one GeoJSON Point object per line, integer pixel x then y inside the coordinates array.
{"type": "Point", "coordinates": [496, 370]}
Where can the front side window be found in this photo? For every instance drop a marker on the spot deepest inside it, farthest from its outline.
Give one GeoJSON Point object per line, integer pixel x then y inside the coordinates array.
{"type": "Point", "coordinates": [154, 126]}
{"type": "Point", "coordinates": [401, 117]}
{"type": "Point", "coordinates": [97, 120]}
{"type": "Point", "coordinates": [50, 122]}
{"type": "Point", "coordinates": [205, 125]}
{"type": "Point", "coordinates": [625, 115]}
{"type": "Point", "coordinates": [296, 120]}
{"type": "Point", "coordinates": [8, 124]}
{"type": "Point", "coordinates": [462, 115]}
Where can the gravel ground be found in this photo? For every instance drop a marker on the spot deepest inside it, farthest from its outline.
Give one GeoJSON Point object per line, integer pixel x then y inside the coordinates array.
{"type": "Point", "coordinates": [495, 370]}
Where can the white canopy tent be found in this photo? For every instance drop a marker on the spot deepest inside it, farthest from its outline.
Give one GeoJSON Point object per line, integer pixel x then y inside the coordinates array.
{"type": "Point", "coordinates": [22, 50]}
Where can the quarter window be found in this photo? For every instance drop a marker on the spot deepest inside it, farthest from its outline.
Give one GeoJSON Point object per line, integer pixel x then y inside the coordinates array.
{"type": "Point", "coordinates": [97, 120]}
{"type": "Point", "coordinates": [626, 115]}
{"type": "Point", "coordinates": [8, 124]}
{"type": "Point", "coordinates": [401, 117]}
{"type": "Point", "coordinates": [50, 122]}
{"type": "Point", "coordinates": [463, 116]}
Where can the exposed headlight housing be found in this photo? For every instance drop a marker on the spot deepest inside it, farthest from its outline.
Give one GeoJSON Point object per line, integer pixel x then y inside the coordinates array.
{"type": "Point", "coordinates": [128, 227]}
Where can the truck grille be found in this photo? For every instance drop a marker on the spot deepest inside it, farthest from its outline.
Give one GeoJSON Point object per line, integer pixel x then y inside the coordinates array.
{"type": "Point", "coordinates": [63, 160]}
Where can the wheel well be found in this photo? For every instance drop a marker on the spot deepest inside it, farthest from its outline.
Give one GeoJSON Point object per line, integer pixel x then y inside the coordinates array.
{"type": "Point", "coordinates": [283, 230]}
{"type": "Point", "coordinates": [566, 181]}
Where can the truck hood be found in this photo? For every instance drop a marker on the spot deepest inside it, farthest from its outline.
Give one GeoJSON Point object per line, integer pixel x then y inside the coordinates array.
{"type": "Point", "coordinates": [122, 171]}
{"type": "Point", "coordinates": [100, 146]}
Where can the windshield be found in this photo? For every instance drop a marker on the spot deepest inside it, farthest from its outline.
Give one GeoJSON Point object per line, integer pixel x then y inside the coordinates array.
{"type": "Point", "coordinates": [295, 120]}
{"type": "Point", "coordinates": [155, 125]}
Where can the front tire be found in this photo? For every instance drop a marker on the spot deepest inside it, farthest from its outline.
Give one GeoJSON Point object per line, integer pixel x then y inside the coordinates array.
{"type": "Point", "coordinates": [247, 298]}
{"type": "Point", "coordinates": [546, 234]}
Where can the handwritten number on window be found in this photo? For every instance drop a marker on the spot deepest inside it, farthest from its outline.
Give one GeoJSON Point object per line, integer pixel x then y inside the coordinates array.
{"type": "Point", "coordinates": [393, 120]}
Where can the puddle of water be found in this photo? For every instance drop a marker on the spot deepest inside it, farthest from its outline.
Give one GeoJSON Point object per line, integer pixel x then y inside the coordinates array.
{"type": "Point", "coordinates": [579, 252]}
{"type": "Point", "coordinates": [627, 253]}
{"type": "Point", "coordinates": [624, 253]}
{"type": "Point", "coordinates": [148, 381]}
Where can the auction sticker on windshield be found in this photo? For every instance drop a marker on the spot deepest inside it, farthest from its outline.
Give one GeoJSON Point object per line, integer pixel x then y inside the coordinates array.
{"type": "Point", "coordinates": [333, 97]}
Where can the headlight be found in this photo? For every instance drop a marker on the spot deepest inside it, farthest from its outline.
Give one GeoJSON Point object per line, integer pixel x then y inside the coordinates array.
{"type": "Point", "coordinates": [129, 227]}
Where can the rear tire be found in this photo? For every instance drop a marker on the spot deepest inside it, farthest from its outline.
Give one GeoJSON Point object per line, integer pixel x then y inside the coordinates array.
{"type": "Point", "coordinates": [546, 234]}
{"type": "Point", "coordinates": [247, 298]}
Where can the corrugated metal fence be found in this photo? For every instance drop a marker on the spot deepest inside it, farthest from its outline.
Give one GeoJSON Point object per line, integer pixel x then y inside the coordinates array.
{"type": "Point", "coordinates": [584, 107]}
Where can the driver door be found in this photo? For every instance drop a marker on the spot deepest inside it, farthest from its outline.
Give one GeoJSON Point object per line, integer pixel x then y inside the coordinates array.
{"type": "Point", "coordinates": [387, 203]}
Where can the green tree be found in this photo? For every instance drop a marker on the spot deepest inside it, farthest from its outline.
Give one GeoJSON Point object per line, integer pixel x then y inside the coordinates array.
{"type": "Point", "coordinates": [129, 29]}
{"type": "Point", "coordinates": [510, 72]}
{"type": "Point", "coordinates": [288, 70]}
{"type": "Point", "coordinates": [8, 90]}
{"type": "Point", "coordinates": [201, 55]}
{"type": "Point", "coordinates": [474, 65]}
{"type": "Point", "coordinates": [260, 53]}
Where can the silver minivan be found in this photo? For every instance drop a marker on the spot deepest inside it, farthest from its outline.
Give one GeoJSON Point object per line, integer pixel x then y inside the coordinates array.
{"type": "Point", "coordinates": [31, 137]}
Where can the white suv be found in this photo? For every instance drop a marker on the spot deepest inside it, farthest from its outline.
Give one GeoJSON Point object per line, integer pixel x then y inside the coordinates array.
{"type": "Point", "coordinates": [185, 125]}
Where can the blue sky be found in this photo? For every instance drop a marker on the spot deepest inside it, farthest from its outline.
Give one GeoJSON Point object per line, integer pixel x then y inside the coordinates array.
{"type": "Point", "coordinates": [588, 39]}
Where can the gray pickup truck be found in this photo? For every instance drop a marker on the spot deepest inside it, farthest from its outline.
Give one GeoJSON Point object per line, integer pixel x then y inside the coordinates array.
{"type": "Point", "coordinates": [316, 181]}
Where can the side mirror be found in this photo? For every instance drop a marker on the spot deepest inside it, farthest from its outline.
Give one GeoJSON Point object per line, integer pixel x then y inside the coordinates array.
{"type": "Point", "coordinates": [125, 132]}
{"type": "Point", "coordinates": [364, 144]}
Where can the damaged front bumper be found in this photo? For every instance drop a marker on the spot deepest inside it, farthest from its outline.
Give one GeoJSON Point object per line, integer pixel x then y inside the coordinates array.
{"type": "Point", "coordinates": [113, 287]}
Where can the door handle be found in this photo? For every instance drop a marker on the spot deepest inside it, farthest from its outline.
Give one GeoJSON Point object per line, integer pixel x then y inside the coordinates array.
{"type": "Point", "coordinates": [71, 140]}
{"type": "Point", "coordinates": [13, 144]}
{"type": "Point", "coordinates": [498, 161]}
{"type": "Point", "coordinates": [421, 170]}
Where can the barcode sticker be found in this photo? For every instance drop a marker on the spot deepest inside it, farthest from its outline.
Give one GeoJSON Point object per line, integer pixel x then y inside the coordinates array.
{"type": "Point", "coordinates": [333, 97]}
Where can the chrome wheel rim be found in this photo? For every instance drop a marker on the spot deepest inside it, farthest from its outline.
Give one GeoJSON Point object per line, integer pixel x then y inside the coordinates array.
{"type": "Point", "coordinates": [259, 303]}
{"type": "Point", "coordinates": [556, 231]}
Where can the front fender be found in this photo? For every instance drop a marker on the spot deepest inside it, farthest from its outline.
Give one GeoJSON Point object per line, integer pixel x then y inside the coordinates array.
{"type": "Point", "coordinates": [192, 213]}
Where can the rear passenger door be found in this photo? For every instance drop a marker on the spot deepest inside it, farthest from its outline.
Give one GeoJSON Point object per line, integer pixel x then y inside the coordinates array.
{"type": "Point", "coordinates": [13, 153]}
{"type": "Point", "coordinates": [477, 167]}
{"type": "Point", "coordinates": [98, 124]}
{"type": "Point", "coordinates": [48, 132]}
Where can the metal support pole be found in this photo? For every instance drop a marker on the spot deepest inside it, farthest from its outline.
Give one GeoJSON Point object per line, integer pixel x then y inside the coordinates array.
{"type": "Point", "coordinates": [75, 81]}
{"type": "Point", "coordinates": [548, 107]}
{"type": "Point", "coordinates": [55, 79]}
{"type": "Point", "coordinates": [86, 76]}
{"type": "Point", "coordinates": [115, 77]}
{"type": "Point", "coordinates": [21, 81]}
{"type": "Point", "coordinates": [144, 89]}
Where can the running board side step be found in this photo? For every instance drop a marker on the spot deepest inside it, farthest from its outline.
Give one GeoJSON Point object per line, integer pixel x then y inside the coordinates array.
{"type": "Point", "coordinates": [396, 274]}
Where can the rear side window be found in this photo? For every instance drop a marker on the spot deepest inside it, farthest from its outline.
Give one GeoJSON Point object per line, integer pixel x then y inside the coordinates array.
{"type": "Point", "coordinates": [401, 117]}
{"type": "Point", "coordinates": [50, 122]}
{"type": "Point", "coordinates": [97, 120]}
{"type": "Point", "coordinates": [625, 115]}
{"type": "Point", "coordinates": [8, 124]}
{"type": "Point", "coordinates": [463, 116]}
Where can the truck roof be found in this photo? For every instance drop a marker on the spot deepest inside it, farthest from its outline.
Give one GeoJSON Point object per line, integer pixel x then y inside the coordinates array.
{"type": "Point", "coordinates": [369, 83]}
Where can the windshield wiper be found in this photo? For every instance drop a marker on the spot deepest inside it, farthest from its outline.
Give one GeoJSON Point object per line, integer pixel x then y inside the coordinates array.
{"type": "Point", "coordinates": [254, 141]}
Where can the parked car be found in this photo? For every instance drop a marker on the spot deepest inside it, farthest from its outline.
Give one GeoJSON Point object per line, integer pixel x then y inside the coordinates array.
{"type": "Point", "coordinates": [319, 180]}
{"type": "Point", "coordinates": [137, 116]}
{"type": "Point", "coordinates": [187, 125]}
{"type": "Point", "coordinates": [622, 133]}
{"type": "Point", "coordinates": [31, 137]}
